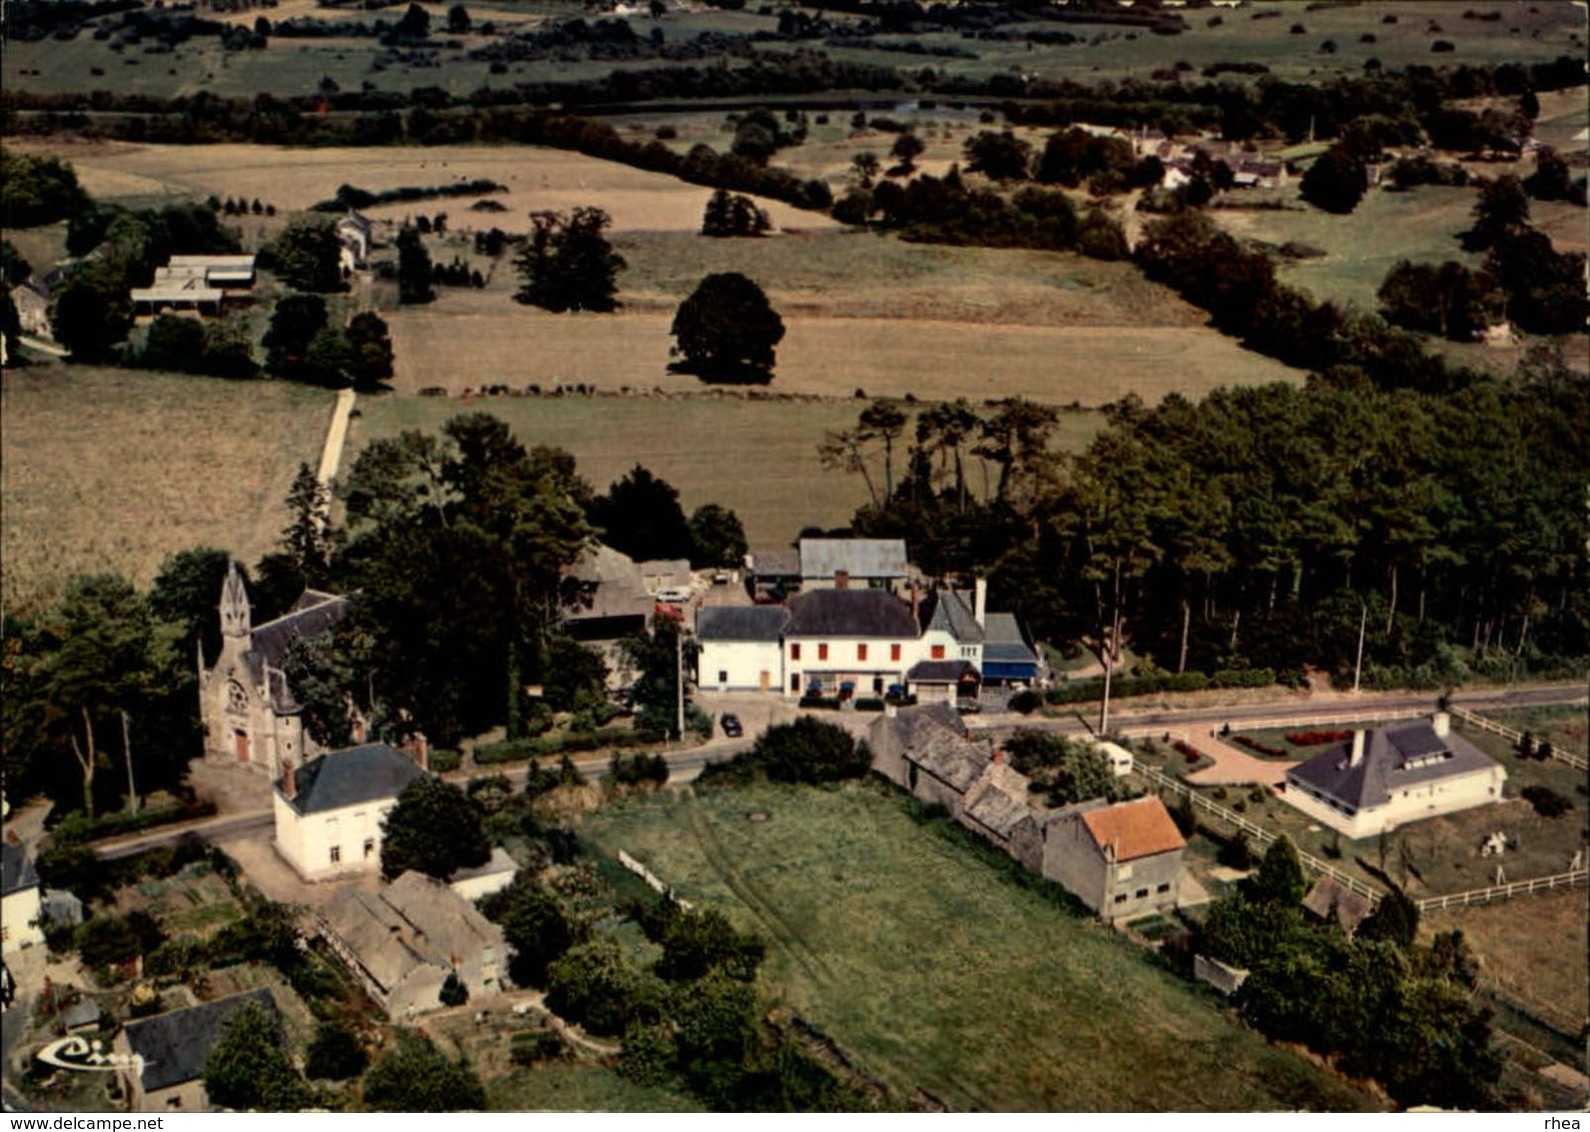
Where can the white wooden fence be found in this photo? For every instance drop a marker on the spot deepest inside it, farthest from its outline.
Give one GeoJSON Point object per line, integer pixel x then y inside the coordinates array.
{"type": "Point", "coordinates": [1290, 723]}
{"type": "Point", "coordinates": [1503, 891]}
{"type": "Point", "coordinates": [1578, 762]}
{"type": "Point", "coordinates": [1257, 832]}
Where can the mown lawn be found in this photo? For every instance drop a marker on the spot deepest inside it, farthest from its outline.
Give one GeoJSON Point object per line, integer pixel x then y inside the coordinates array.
{"type": "Point", "coordinates": [934, 968]}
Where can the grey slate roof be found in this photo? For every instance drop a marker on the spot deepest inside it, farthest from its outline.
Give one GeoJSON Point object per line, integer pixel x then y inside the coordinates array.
{"type": "Point", "coordinates": [175, 1046]}
{"type": "Point", "coordinates": [313, 614]}
{"type": "Point", "coordinates": [415, 921]}
{"type": "Point", "coordinates": [742, 623]}
{"type": "Point", "coordinates": [949, 611]}
{"type": "Point", "coordinates": [1003, 642]}
{"type": "Point", "coordinates": [858, 557]}
{"type": "Point", "coordinates": [607, 584]}
{"type": "Point", "coordinates": [999, 801]}
{"type": "Point", "coordinates": [16, 869]}
{"type": "Point", "coordinates": [371, 773]}
{"type": "Point", "coordinates": [850, 613]}
{"type": "Point", "coordinates": [940, 671]}
{"type": "Point", "coordinates": [960, 763]}
{"type": "Point", "coordinates": [1395, 758]}
{"type": "Point", "coordinates": [777, 562]}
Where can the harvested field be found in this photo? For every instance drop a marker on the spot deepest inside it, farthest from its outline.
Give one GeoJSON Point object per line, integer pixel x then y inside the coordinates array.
{"type": "Point", "coordinates": [113, 470]}
{"type": "Point", "coordinates": [297, 178]}
{"type": "Point", "coordinates": [1533, 946]}
{"type": "Point", "coordinates": [917, 952]}
{"type": "Point", "coordinates": [932, 360]}
{"type": "Point", "coordinates": [713, 450]}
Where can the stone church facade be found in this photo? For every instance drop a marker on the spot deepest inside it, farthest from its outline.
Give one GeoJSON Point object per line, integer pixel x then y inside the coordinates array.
{"type": "Point", "coordinates": [249, 714]}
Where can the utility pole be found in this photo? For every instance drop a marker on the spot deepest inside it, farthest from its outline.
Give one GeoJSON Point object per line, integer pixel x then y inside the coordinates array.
{"type": "Point", "coordinates": [126, 747]}
{"type": "Point", "coordinates": [1358, 665]}
{"type": "Point", "coordinates": [1107, 654]}
{"type": "Point", "coordinates": [679, 680]}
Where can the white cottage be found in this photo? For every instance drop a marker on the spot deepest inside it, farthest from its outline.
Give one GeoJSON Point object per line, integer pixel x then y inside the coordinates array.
{"type": "Point", "coordinates": [1386, 777]}
{"type": "Point", "coordinates": [329, 811]}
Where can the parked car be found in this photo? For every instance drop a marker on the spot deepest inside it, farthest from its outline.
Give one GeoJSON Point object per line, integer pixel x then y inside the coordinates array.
{"type": "Point", "coordinates": [731, 726]}
{"type": "Point", "coordinates": [674, 595]}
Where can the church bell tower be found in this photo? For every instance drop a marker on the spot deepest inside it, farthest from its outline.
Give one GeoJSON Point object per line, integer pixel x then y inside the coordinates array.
{"type": "Point", "coordinates": [235, 619]}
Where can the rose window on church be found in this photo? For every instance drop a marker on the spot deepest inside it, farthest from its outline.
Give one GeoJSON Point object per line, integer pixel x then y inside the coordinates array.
{"type": "Point", "coordinates": [236, 697]}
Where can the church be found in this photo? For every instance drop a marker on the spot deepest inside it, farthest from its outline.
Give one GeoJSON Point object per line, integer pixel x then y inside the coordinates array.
{"type": "Point", "coordinates": [249, 714]}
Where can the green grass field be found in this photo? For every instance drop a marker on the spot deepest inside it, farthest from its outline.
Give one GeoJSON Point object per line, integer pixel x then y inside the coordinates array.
{"type": "Point", "coordinates": [578, 1087]}
{"type": "Point", "coordinates": [1426, 222]}
{"type": "Point", "coordinates": [758, 458]}
{"type": "Point", "coordinates": [113, 470]}
{"type": "Point", "coordinates": [921, 956]}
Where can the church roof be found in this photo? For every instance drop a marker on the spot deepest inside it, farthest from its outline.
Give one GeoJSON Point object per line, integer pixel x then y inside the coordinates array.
{"type": "Point", "coordinates": [313, 614]}
{"type": "Point", "coordinates": [371, 773]}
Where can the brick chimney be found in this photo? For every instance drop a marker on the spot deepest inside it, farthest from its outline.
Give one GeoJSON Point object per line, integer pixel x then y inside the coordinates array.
{"type": "Point", "coordinates": [1358, 748]}
{"type": "Point", "coordinates": [289, 780]}
{"type": "Point", "coordinates": [841, 579]}
{"type": "Point", "coordinates": [419, 750]}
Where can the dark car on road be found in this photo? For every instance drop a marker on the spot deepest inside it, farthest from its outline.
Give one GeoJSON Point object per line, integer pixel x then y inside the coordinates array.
{"type": "Point", "coordinates": [731, 726]}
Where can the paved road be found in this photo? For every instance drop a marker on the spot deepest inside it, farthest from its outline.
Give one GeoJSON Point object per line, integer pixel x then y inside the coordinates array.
{"type": "Point", "coordinates": [686, 764]}
{"type": "Point", "coordinates": [1344, 709]}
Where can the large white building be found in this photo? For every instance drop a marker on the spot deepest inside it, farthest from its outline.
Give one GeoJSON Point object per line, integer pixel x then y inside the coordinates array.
{"type": "Point", "coordinates": [329, 811]}
{"type": "Point", "coordinates": [857, 642]}
{"type": "Point", "coordinates": [1387, 777]}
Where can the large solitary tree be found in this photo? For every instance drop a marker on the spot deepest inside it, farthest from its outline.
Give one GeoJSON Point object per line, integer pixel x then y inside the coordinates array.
{"type": "Point", "coordinates": [567, 264]}
{"type": "Point", "coordinates": [727, 330]}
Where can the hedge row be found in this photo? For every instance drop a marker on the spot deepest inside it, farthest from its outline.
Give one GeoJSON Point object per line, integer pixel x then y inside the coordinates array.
{"type": "Point", "coordinates": [519, 750]}
{"type": "Point", "coordinates": [1316, 738]}
{"type": "Point", "coordinates": [1262, 748]}
{"type": "Point", "coordinates": [1085, 690]}
{"type": "Point", "coordinates": [80, 829]}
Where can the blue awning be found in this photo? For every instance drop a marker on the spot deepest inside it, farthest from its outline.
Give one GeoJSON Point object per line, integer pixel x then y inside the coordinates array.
{"type": "Point", "coordinates": [997, 671]}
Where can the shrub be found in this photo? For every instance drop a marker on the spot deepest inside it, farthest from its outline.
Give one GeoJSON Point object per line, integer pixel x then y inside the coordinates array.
{"type": "Point", "coordinates": [869, 703]}
{"type": "Point", "coordinates": [1026, 701]}
{"type": "Point", "coordinates": [1547, 802]}
{"type": "Point", "coordinates": [534, 1046]}
{"type": "Point", "coordinates": [335, 1054]}
{"type": "Point", "coordinates": [1261, 748]}
{"type": "Point", "coordinates": [1316, 738]}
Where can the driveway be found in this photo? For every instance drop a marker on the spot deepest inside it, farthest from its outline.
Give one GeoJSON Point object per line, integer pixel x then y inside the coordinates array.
{"type": "Point", "coordinates": [1232, 766]}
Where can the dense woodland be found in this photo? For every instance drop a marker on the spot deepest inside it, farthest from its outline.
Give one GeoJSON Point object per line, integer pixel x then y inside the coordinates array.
{"type": "Point", "coordinates": [1259, 527]}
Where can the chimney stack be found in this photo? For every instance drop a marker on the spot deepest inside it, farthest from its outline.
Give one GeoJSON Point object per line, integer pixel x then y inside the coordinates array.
{"type": "Point", "coordinates": [1442, 722]}
{"type": "Point", "coordinates": [1358, 748]}
{"type": "Point", "coordinates": [980, 610]}
{"type": "Point", "coordinates": [289, 780]}
{"type": "Point", "coordinates": [841, 579]}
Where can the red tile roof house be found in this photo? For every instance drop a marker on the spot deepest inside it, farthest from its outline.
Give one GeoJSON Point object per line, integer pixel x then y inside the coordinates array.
{"type": "Point", "coordinates": [1122, 861]}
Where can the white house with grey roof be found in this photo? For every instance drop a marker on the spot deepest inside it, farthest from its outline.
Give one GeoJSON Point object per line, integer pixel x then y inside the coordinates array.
{"type": "Point", "coordinates": [741, 647]}
{"type": "Point", "coordinates": [329, 811]}
{"type": "Point", "coordinates": [1387, 777]}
